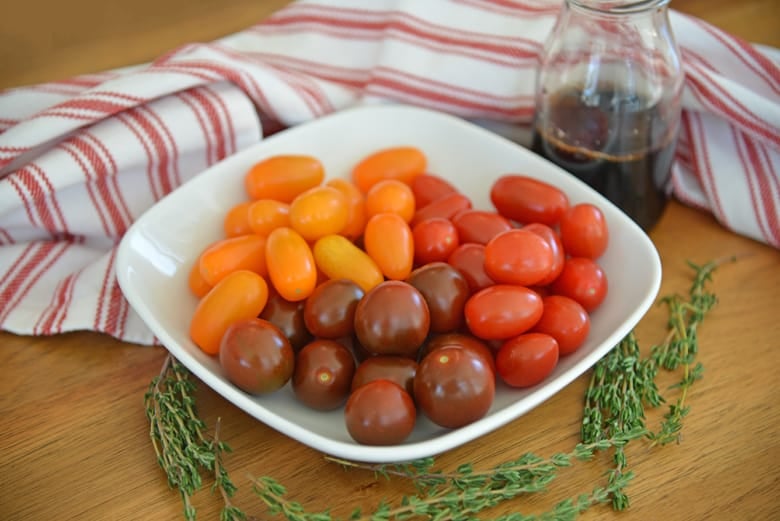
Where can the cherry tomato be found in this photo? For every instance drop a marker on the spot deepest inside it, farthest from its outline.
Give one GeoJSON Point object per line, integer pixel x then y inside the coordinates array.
{"type": "Point", "coordinates": [291, 266]}
{"type": "Point", "coordinates": [389, 242]}
{"type": "Point", "coordinates": [360, 353]}
{"type": "Point", "coordinates": [502, 311]}
{"type": "Point", "coordinates": [454, 387]}
{"type": "Point", "coordinates": [526, 360]}
{"type": "Point", "coordinates": [429, 187]}
{"type": "Point", "coordinates": [565, 320]}
{"type": "Point", "coordinates": [319, 211]}
{"type": "Point", "coordinates": [390, 196]}
{"type": "Point", "coordinates": [245, 252]}
{"type": "Point", "coordinates": [380, 413]}
{"type": "Point", "coordinates": [241, 294]}
{"type": "Point", "coordinates": [283, 177]}
{"type": "Point", "coordinates": [479, 226]}
{"type": "Point", "coordinates": [198, 286]}
{"type": "Point", "coordinates": [338, 258]}
{"type": "Point", "coordinates": [447, 207]}
{"type": "Point", "coordinates": [583, 280]}
{"type": "Point", "coordinates": [445, 290]}
{"type": "Point", "coordinates": [256, 356]}
{"type": "Point", "coordinates": [323, 374]}
{"type": "Point", "coordinates": [266, 215]}
{"type": "Point", "coordinates": [434, 240]}
{"type": "Point", "coordinates": [519, 257]}
{"type": "Point", "coordinates": [584, 231]}
{"type": "Point", "coordinates": [463, 341]}
{"type": "Point", "coordinates": [469, 259]}
{"type": "Point", "coordinates": [398, 369]}
{"type": "Point", "coordinates": [401, 163]}
{"type": "Point", "coordinates": [288, 317]}
{"type": "Point", "coordinates": [236, 220]}
{"type": "Point", "coordinates": [552, 238]}
{"type": "Point", "coordinates": [392, 319]}
{"type": "Point", "coordinates": [329, 311]}
{"type": "Point", "coordinates": [528, 200]}
{"type": "Point", "coordinates": [356, 207]}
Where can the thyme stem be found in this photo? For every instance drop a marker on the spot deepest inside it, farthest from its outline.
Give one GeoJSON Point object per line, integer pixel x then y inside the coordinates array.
{"type": "Point", "coordinates": [455, 496]}
{"type": "Point", "coordinates": [180, 445]}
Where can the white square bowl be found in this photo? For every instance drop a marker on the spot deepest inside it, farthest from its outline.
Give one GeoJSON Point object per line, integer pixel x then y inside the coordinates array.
{"type": "Point", "coordinates": [156, 254]}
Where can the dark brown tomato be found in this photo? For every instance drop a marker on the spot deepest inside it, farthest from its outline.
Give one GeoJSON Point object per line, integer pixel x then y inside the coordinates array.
{"type": "Point", "coordinates": [287, 316]}
{"type": "Point", "coordinates": [479, 226]}
{"type": "Point", "coordinates": [454, 387]}
{"type": "Point", "coordinates": [323, 374]}
{"type": "Point", "coordinates": [353, 344]}
{"type": "Point", "coordinates": [469, 259]}
{"type": "Point", "coordinates": [461, 340]}
{"type": "Point", "coordinates": [256, 356]}
{"type": "Point", "coordinates": [398, 369]}
{"type": "Point", "coordinates": [329, 311]}
{"type": "Point", "coordinates": [380, 413]}
{"type": "Point", "coordinates": [445, 290]}
{"type": "Point", "coordinates": [392, 319]}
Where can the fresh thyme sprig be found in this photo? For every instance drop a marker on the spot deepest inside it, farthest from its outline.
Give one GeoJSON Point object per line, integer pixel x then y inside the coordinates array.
{"type": "Point", "coordinates": [182, 449]}
{"type": "Point", "coordinates": [458, 495]}
{"type": "Point", "coordinates": [623, 383]}
{"type": "Point", "coordinates": [620, 384]}
{"type": "Point", "coordinates": [682, 344]}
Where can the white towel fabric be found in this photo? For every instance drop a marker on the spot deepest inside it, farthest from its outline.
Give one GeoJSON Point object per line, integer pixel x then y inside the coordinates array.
{"type": "Point", "coordinates": [81, 159]}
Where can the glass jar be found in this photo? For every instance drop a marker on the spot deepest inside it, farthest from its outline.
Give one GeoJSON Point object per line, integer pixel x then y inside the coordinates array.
{"type": "Point", "coordinates": [608, 101]}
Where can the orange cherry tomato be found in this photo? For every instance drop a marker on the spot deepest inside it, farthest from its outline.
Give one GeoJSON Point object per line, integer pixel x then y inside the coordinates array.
{"type": "Point", "coordinates": [245, 252]}
{"type": "Point", "coordinates": [236, 220]}
{"type": "Point", "coordinates": [291, 266]}
{"type": "Point", "coordinates": [388, 240]}
{"type": "Point", "coordinates": [319, 211]}
{"type": "Point", "coordinates": [266, 215]}
{"type": "Point", "coordinates": [198, 286]}
{"type": "Point", "coordinates": [356, 213]}
{"type": "Point", "coordinates": [390, 195]}
{"type": "Point", "coordinates": [339, 258]}
{"type": "Point", "coordinates": [283, 177]}
{"type": "Point", "coordinates": [401, 163]}
{"type": "Point", "coordinates": [240, 295]}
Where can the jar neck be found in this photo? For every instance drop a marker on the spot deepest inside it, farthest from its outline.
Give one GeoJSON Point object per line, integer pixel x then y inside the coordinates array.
{"type": "Point", "coordinates": [617, 7]}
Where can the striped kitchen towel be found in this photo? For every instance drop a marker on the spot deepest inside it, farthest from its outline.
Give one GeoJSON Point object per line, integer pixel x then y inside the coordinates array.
{"type": "Point", "coordinates": [81, 159]}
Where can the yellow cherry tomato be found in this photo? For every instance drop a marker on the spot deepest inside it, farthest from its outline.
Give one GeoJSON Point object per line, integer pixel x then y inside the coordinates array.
{"type": "Point", "coordinates": [338, 258]}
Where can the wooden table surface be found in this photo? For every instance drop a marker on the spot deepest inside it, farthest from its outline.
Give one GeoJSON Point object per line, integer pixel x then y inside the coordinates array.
{"type": "Point", "coordinates": [74, 441]}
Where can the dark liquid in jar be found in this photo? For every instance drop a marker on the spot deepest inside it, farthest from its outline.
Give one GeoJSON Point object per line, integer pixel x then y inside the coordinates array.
{"type": "Point", "coordinates": [618, 145]}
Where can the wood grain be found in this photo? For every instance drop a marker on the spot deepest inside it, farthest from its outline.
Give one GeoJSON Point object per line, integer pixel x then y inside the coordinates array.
{"type": "Point", "coordinates": [74, 438]}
